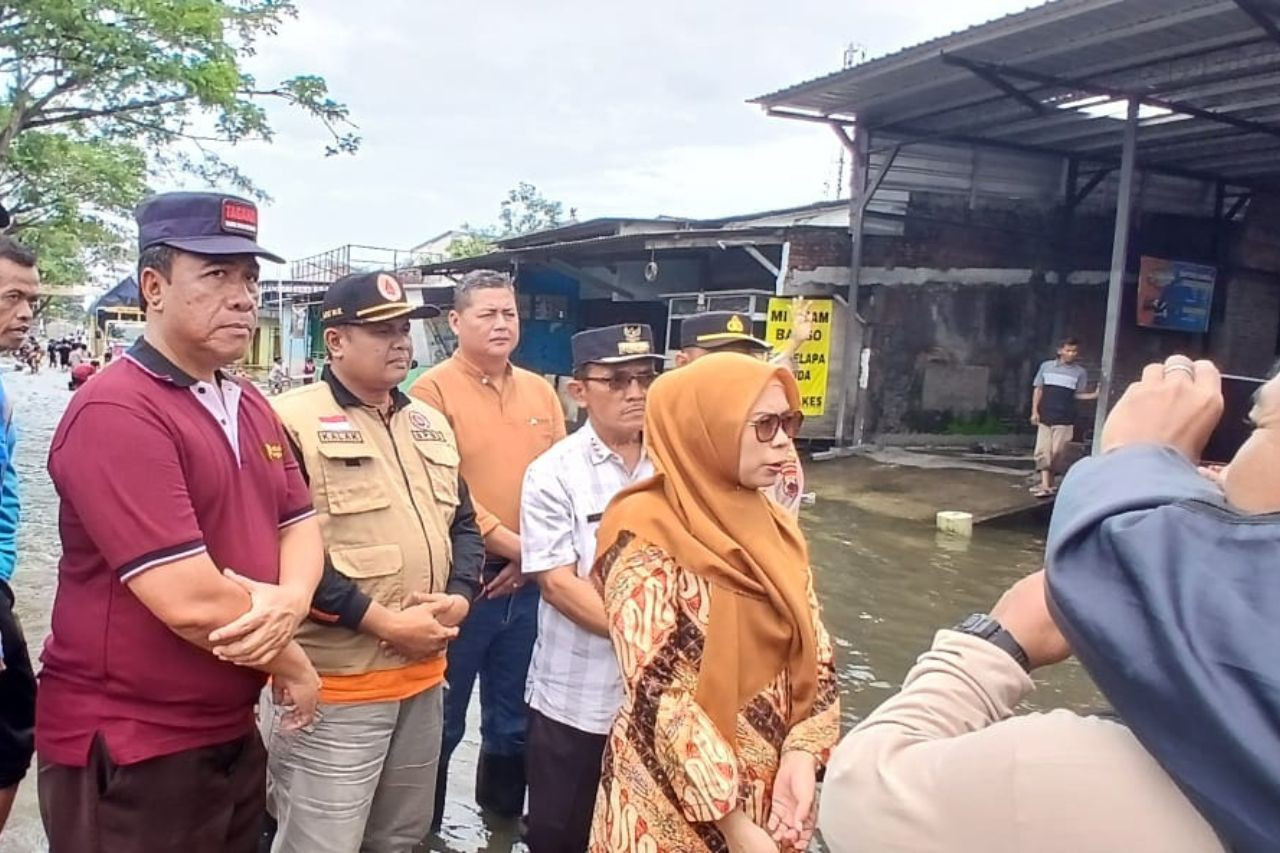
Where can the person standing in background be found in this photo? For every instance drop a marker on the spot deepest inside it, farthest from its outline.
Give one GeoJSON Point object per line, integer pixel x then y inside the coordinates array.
{"type": "Point", "coordinates": [1058, 384]}
{"type": "Point", "coordinates": [504, 417]}
{"type": "Point", "coordinates": [19, 284]}
{"type": "Point", "coordinates": [277, 377]}
{"type": "Point", "coordinates": [574, 688]}
{"type": "Point", "coordinates": [308, 371]}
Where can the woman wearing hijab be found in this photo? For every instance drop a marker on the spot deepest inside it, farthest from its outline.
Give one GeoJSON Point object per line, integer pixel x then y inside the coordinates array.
{"type": "Point", "coordinates": [731, 698]}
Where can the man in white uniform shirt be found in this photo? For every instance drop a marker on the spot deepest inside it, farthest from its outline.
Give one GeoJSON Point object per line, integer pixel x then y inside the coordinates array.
{"type": "Point", "coordinates": [574, 687]}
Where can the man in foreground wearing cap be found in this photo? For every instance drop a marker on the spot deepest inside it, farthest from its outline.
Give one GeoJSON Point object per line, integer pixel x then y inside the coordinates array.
{"type": "Point", "coordinates": [727, 331]}
{"type": "Point", "coordinates": [19, 282]}
{"type": "Point", "coordinates": [402, 563]}
{"type": "Point", "coordinates": [182, 510]}
{"type": "Point", "coordinates": [574, 688]}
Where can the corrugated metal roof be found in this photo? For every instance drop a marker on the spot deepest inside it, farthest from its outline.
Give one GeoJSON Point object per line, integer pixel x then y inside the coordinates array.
{"type": "Point", "coordinates": [1051, 80]}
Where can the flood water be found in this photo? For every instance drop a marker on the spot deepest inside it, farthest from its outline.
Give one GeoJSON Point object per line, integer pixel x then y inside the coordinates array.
{"type": "Point", "coordinates": [885, 587]}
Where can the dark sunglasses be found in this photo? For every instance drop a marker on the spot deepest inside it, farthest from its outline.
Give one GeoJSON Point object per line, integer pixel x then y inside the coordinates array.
{"type": "Point", "coordinates": [768, 425]}
{"type": "Point", "coordinates": [620, 382]}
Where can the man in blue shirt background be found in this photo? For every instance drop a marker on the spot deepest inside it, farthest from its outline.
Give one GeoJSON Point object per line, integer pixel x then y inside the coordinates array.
{"type": "Point", "coordinates": [19, 282]}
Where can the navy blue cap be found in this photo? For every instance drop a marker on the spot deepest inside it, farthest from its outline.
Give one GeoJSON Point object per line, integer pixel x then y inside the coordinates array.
{"type": "Point", "coordinates": [201, 223]}
{"type": "Point", "coordinates": [613, 345]}
{"type": "Point", "coordinates": [369, 297]}
{"type": "Point", "coordinates": [713, 329]}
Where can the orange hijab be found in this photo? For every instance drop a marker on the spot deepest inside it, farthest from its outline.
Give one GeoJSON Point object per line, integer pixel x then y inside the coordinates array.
{"type": "Point", "coordinates": [751, 552]}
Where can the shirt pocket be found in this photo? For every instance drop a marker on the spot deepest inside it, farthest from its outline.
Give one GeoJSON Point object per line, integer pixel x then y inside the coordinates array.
{"type": "Point", "coordinates": [441, 462]}
{"type": "Point", "coordinates": [376, 569]}
{"type": "Point", "coordinates": [351, 480]}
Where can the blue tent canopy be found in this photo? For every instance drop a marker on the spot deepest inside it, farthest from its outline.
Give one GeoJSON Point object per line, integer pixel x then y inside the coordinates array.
{"type": "Point", "coordinates": [123, 295]}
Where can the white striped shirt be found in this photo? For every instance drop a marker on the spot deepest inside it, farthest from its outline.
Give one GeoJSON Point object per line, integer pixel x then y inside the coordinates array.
{"type": "Point", "coordinates": [573, 677]}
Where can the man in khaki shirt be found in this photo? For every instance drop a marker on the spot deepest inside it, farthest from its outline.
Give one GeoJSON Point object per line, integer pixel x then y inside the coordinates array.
{"type": "Point", "coordinates": [504, 417]}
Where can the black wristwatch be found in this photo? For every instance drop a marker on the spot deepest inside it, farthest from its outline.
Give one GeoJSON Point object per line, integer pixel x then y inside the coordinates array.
{"type": "Point", "coordinates": [982, 625]}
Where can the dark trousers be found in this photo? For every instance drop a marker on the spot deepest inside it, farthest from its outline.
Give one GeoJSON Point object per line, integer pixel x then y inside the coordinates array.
{"type": "Point", "coordinates": [563, 767]}
{"type": "Point", "coordinates": [17, 696]}
{"type": "Point", "coordinates": [495, 643]}
{"type": "Point", "coordinates": [206, 800]}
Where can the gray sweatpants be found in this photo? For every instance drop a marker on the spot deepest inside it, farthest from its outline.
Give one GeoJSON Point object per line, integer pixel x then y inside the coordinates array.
{"type": "Point", "coordinates": [362, 779]}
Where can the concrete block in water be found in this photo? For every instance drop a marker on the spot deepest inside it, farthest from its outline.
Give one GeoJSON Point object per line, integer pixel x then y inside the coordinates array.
{"type": "Point", "coordinates": [956, 523]}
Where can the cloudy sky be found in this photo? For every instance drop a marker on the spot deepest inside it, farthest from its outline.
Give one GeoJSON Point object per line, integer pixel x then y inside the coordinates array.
{"type": "Point", "coordinates": [616, 109]}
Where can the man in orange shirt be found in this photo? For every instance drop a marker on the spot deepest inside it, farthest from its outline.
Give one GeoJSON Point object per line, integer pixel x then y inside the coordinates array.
{"type": "Point", "coordinates": [402, 552]}
{"type": "Point", "coordinates": [504, 417]}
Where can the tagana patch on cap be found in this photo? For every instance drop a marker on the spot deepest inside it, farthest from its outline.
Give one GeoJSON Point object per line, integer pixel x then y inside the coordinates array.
{"type": "Point", "coordinates": [390, 288]}
{"type": "Point", "coordinates": [735, 325]}
{"type": "Point", "coordinates": [239, 217]}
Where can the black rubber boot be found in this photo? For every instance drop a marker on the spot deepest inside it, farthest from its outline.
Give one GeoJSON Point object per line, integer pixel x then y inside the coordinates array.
{"type": "Point", "coordinates": [500, 784]}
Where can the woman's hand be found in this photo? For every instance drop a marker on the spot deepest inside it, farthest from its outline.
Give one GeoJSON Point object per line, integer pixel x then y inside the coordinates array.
{"type": "Point", "coordinates": [743, 836]}
{"type": "Point", "coordinates": [791, 817]}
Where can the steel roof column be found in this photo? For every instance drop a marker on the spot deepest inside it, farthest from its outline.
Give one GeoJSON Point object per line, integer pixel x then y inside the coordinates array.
{"type": "Point", "coordinates": [851, 378]}
{"type": "Point", "coordinates": [1119, 261]}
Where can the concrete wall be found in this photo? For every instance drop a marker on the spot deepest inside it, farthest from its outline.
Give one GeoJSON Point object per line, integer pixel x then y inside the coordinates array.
{"type": "Point", "coordinates": [971, 292]}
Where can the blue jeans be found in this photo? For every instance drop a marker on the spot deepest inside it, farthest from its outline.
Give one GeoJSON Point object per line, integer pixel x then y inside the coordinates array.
{"type": "Point", "coordinates": [495, 643]}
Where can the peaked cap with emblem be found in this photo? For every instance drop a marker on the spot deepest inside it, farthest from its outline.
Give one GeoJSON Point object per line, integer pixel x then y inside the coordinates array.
{"type": "Point", "coordinates": [713, 329]}
{"type": "Point", "coordinates": [369, 297]}
{"type": "Point", "coordinates": [613, 345]}
{"type": "Point", "coordinates": [201, 223]}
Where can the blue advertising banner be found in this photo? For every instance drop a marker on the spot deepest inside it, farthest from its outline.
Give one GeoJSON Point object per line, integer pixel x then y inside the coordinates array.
{"type": "Point", "coordinates": [1175, 295]}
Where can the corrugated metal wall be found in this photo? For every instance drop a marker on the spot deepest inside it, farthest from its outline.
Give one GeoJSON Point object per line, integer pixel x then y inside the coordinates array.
{"type": "Point", "coordinates": [990, 174]}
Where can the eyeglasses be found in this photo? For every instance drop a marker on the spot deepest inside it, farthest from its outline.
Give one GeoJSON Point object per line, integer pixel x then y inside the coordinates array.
{"type": "Point", "coordinates": [620, 382]}
{"type": "Point", "coordinates": [768, 425]}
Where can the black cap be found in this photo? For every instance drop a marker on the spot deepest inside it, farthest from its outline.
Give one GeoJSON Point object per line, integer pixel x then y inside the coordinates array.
{"type": "Point", "coordinates": [201, 223]}
{"type": "Point", "coordinates": [369, 297]}
{"type": "Point", "coordinates": [716, 329]}
{"type": "Point", "coordinates": [613, 345]}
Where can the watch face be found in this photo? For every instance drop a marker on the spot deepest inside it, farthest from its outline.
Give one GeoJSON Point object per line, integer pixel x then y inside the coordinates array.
{"type": "Point", "coordinates": [979, 624]}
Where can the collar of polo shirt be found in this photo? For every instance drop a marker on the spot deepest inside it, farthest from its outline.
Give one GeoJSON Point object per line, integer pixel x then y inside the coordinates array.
{"type": "Point", "coordinates": [158, 364]}
{"type": "Point", "coordinates": [473, 369]}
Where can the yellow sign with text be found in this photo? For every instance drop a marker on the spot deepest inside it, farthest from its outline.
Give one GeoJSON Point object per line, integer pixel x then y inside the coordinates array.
{"type": "Point", "coordinates": [814, 355]}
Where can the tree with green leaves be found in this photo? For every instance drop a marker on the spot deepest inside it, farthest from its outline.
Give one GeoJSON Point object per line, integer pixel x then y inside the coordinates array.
{"type": "Point", "coordinates": [524, 211]}
{"type": "Point", "coordinates": [100, 94]}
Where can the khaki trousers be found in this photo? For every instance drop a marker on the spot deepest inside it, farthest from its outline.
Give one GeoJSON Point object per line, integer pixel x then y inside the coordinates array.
{"type": "Point", "coordinates": [362, 779]}
{"type": "Point", "coordinates": [1051, 442]}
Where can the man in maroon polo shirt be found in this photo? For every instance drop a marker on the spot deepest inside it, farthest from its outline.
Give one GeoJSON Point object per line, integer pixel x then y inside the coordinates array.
{"type": "Point", "coordinates": [170, 473]}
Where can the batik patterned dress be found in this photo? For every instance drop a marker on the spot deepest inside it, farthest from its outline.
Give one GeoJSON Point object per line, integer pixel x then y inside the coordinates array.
{"type": "Point", "coordinates": [668, 772]}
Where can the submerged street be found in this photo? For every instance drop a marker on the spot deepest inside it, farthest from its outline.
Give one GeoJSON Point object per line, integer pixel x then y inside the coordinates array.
{"type": "Point", "coordinates": [885, 585]}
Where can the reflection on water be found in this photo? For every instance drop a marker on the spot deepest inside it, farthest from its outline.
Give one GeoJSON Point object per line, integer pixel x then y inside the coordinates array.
{"type": "Point", "coordinates": [885, 586]}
